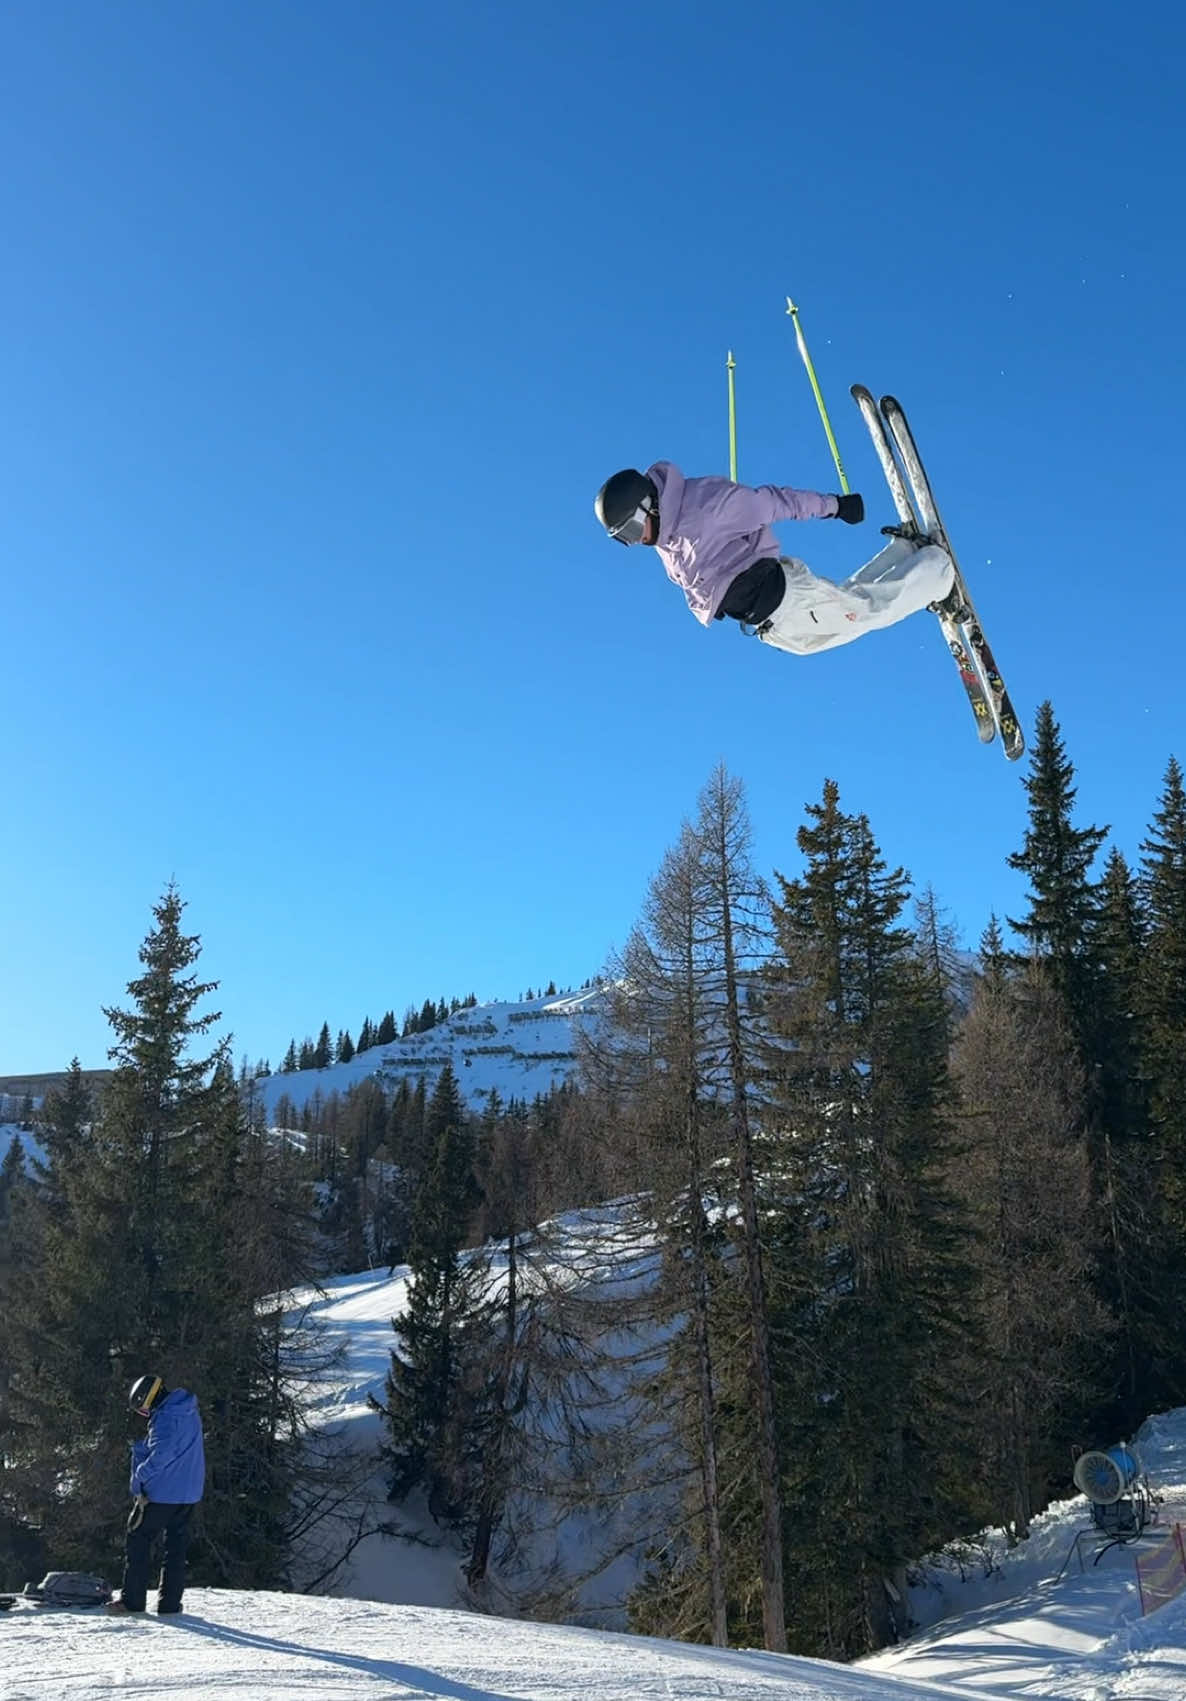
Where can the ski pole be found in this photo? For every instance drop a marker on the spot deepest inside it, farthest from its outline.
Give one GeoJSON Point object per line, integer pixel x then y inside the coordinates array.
{"type": "Point", "coordinates": [819, 400]}
{"type": "Point", "coordinates": [731, 365]}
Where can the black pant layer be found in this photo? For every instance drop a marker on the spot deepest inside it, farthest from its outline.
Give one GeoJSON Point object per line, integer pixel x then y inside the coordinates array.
{"type": "Point", "coordinates": [160, 1519]}
{"type": "Point", "coordinates": [755, 593]}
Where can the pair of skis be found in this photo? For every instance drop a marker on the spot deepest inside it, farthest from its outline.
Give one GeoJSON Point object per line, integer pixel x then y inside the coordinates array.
{"type": "Point", "coordinates": [918, 516]}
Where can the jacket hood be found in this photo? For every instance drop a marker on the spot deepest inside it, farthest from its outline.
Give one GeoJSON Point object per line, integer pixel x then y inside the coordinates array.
{"type": "Point", "coordinates": [178, 1400]}
{"type": "Point", "coordinates": [669, 482]}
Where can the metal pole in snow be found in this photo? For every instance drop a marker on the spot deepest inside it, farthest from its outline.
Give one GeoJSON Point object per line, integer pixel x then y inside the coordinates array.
{"type": "Point", "coordinates": [819, 400]}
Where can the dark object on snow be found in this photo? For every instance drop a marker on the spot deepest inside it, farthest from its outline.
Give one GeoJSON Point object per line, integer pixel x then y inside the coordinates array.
{"type": "Point", "coordinates": [7, 1601]}
{"type": "Point", "coordinates": [69, 1589]}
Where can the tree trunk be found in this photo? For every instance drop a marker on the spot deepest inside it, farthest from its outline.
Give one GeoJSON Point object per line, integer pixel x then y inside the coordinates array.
{"type": "Point", "coordinates": [770, 1485]}
{"type": "Point", "coordinates": [718, 1618]}
{"type": "Point", "coordinates": [490, 1503]}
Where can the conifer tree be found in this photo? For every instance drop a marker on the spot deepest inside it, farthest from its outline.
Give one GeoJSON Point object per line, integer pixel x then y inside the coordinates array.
{"type": "Point", "coordinates": [415, 1155]}
{"type": "Point", "coordinates": [24, 1479]}
{"type": "Point", "coordinates": [151, 1262]}
{"type": "Point", "coordinates": [735, 924]}
{"type": "Point", "coordinates": [497, 1382]}
{"type": "Point", "coordinates": [1133, 1246]}
{"type": "Point", "coordinates": [323, 1051]}
{"type": "Point", "coordinates": [64, 1129]}
{"type": "Point", "coordinates": [662, 1051]}
{"type": "Point", "coordinates": [11, 1174]}
{"type": "Point", "coordinates": [426, 1404]}
{"type": "Point", "coordinates": [1163, 1006]}
{"type": "Point", "coordinates": [15, 1191]}
{"type": "Point", "coordinates": [1057, 858]}
{"type": "Point", "coordinates": [937, 946]}
{"type": "Point", "coordinates": [870, 1284]}
{"type": "Point", "coordinates": [996, 961]}
{"type": "Point", "coordinates": [289, 1066]}
{"type": "Point", "coordinates": [1024, 1176]}
{"type": "Point", "coordinates": [1095, 944]}
{"type": "Point", "coordinates": [387, 1030]}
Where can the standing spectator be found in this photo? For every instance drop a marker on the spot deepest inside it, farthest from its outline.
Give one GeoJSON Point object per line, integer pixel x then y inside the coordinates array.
{"type": "Point", "coordinates": [168, 1475]}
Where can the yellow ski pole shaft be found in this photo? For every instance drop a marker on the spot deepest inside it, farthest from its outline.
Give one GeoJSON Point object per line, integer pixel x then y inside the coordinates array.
{"type": "Point", "coordinates": [731, 366]}
{"type": "Point", "coordinates": [819, 400]}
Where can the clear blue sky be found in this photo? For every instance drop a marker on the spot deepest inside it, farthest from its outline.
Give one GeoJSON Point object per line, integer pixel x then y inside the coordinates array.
{"type": "Point", "coordinates": [322, 323]}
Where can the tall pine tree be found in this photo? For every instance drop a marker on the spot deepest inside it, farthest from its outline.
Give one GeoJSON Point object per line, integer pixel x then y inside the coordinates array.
{"type": "Point", "coordinates": [1163, 1007]}
{"type": "Point", "coordinates": [1024, 1179]}
{"type": "Point", "coordinates": [427, 1406]}
{"type": "Point", "coordinates": [1057, 859]}
{"type": "Point", "coordinates": [868, 1274]}
{"type": "Point", "coordinates": [153, 1260]}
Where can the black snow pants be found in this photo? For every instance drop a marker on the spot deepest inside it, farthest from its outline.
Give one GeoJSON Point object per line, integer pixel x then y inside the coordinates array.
{"type": "Point", "coordinates": [160, 1519]}
{"type": "Point", "coordinates": [755, 593]}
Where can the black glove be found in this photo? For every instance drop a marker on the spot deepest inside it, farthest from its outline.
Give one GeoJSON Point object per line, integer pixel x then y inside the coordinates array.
{"type": "Point", "coordinates": [850, 509]}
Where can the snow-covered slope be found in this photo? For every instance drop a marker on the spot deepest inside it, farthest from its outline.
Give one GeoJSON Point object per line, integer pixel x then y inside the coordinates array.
{"type": "Point", "coordinates": [602, 1251]}
{"type": "Point", "coordinates": [1017, 1629]}
{"type": "Point", "coordinates": [272, 1647]}
{"type": "Point", "coordinates": [13, 1130]}
{"type": "Point", "coordinates": [1004, 1584]}
{"type": "Point", "coordinates": [1048, 1619]}
{"type": "Point", "coordinates": [519, 1050]}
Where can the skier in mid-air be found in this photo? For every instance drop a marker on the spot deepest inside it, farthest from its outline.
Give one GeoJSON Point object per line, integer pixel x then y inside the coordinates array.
{"type": "Point", "coordinates": [714, 539]}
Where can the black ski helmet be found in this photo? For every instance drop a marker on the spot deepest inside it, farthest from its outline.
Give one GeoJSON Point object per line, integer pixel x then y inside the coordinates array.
{"type": "Point", "coordinates": [619, 500]}
{"type": "Point", "coordinates": [144, 1394]}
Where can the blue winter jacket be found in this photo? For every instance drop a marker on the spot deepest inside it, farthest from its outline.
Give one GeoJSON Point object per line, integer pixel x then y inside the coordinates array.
{"type": "Point", "coordinates": [170, 1463]}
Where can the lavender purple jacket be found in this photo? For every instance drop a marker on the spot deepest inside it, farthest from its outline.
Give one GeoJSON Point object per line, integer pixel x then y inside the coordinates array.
{"type": "Point", "coordinates": [710, 530]}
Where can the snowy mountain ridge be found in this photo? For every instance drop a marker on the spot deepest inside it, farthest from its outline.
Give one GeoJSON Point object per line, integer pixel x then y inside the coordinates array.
{"type": "Point", "coordinates": [519, 1050]}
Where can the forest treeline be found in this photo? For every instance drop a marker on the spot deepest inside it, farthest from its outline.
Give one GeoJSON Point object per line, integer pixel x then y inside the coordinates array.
{"type": "Point", "coordinates": [836, 1247]}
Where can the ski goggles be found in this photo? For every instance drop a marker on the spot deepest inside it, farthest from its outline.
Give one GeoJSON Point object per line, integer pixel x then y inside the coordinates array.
{"type": "Point", "coordinates": [631, 529]}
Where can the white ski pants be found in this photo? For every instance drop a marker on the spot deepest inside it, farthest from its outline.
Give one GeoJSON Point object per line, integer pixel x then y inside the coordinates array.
{"type": "Point", "coordinates": [816, 614]}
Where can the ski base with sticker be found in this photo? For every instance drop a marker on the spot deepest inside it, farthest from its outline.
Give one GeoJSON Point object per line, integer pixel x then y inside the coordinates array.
{"type": "Point", "coordinates": [918, 514]}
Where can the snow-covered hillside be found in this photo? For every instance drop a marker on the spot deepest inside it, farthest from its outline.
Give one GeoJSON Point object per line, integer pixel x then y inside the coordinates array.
{"type": "Point", "coordinates": [10, 1131]}
{"type": "Point", "coordinates": [1079, 1641]}
{"type": "Point", "coordinates": [1033, 1623]}
{"type": "Point", "coordinates": [517, 1050]}
{"type": "Point", "coordinates": [356, 1312]}
{"type": "Point", "coordinates": [602, 1252]}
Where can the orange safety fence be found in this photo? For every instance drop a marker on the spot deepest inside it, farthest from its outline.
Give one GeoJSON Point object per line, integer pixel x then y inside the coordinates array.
{"type": "Point", "coordinates": [1161, 1574]}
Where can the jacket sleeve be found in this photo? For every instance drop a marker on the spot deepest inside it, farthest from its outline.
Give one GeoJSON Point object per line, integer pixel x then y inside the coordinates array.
{"type": "Point", "coordinates": [742, 508]}
{"type": "Point", "coordinates": [161, 1451]}
{"type": "Point", "coordinates": [139, 1454]}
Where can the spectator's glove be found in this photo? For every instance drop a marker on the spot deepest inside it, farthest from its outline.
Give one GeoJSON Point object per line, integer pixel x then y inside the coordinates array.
{"type": "Point", "coordinates": [139, 1502]}
{"type": "Point", "coordinates": [850, 509]}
